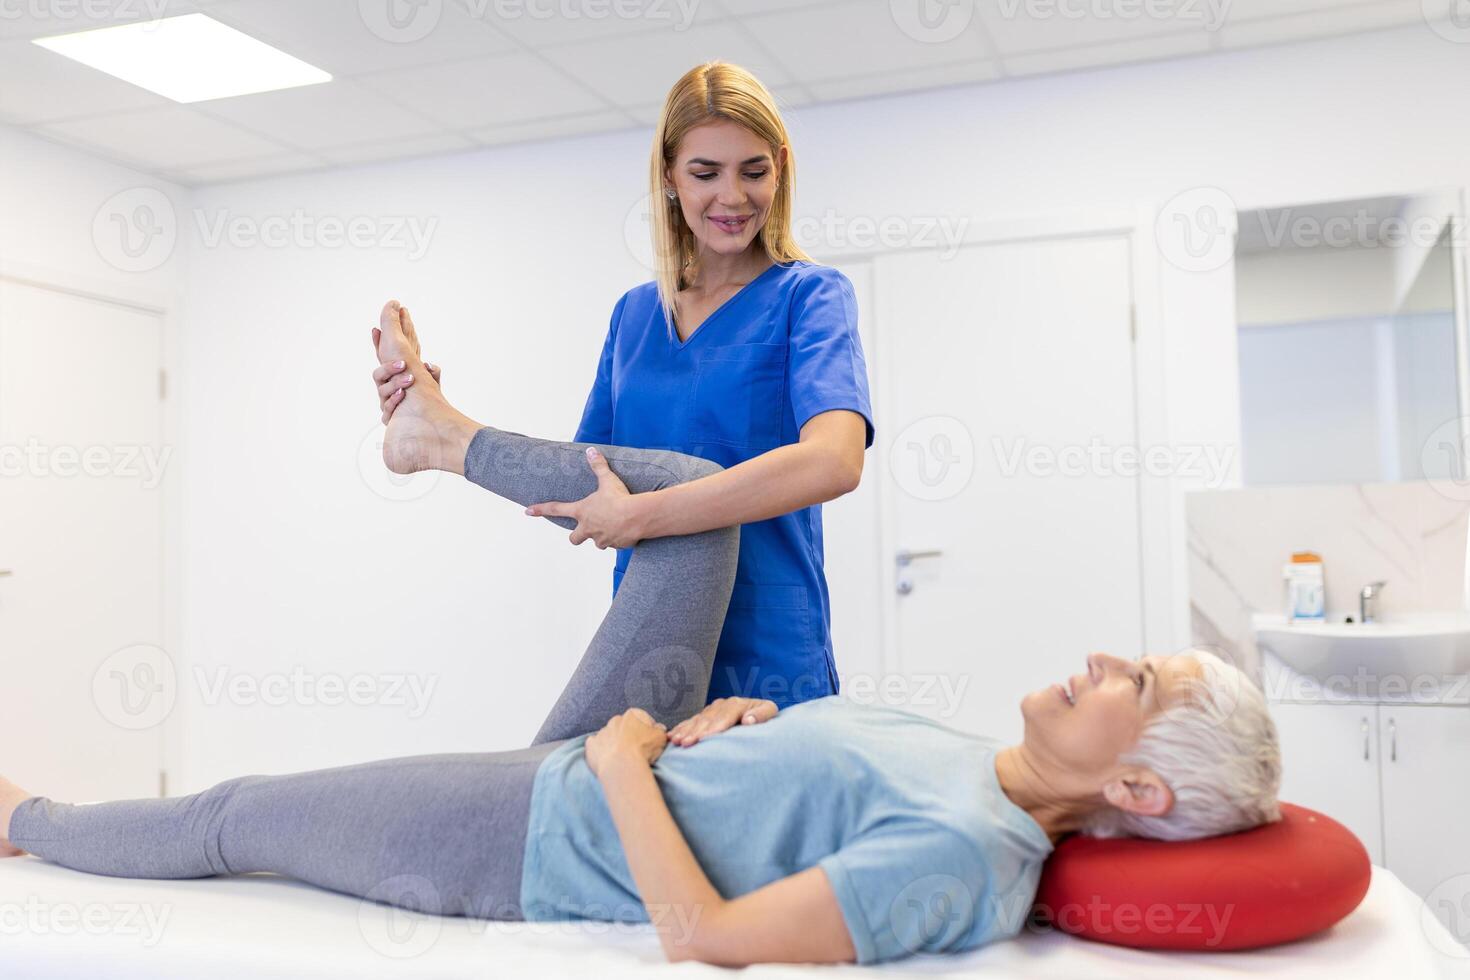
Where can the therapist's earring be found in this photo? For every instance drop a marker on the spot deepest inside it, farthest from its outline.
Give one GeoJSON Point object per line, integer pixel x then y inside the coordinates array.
{"type": "Point", "coordinates": [670, 193]}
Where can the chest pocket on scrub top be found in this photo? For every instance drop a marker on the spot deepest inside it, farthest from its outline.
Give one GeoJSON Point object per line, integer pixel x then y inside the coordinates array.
{"type": "Point", "coordinates": [739, 396]}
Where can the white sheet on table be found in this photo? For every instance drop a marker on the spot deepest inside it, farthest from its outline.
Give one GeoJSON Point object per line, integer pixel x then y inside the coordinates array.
{"type": "Point", "coordinates": [264, 926]}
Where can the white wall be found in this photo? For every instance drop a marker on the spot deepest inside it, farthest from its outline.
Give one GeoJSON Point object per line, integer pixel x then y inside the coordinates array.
{"type": "Point", "coordinates": [55, 229]}
{"type": "Point", "coordinates": [293, 560]}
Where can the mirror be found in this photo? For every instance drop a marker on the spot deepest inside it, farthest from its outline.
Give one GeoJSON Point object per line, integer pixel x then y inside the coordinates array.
{"type": "Point", "coordinates": [1347, 329]}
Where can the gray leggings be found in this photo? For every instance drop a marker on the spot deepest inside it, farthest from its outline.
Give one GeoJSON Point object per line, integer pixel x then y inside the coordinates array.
{"type": "Point", "coordinates": [439, 833]}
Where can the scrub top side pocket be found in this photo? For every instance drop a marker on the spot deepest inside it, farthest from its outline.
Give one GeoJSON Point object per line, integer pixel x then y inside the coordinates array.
{"type": "Point", "coordinates": [740, 396]}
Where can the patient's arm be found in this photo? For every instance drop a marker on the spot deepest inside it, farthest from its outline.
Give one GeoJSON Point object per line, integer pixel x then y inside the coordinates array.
{"type": "Point", "coordinates": [794, 920]}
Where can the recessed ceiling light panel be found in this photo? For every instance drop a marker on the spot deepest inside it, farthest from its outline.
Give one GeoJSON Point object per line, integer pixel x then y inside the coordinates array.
{"type": "Point", "coordinates": [189, 58]}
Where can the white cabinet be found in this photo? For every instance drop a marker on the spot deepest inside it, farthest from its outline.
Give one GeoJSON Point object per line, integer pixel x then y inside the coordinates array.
{"type": "Point", "coordinates": [1424, 755]}
{"type": "Point", "coordinates": [1329, 756]}
{"type": "Point", "coordinates": [1398, 776]}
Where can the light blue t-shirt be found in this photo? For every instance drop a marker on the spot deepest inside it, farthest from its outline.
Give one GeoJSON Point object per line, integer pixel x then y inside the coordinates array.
{"type": "Point", "coordinates": [924, 851]}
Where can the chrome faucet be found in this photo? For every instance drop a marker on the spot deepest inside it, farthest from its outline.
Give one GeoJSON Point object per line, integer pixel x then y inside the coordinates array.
{"type": "Point", "coordinates": [1368, 602]}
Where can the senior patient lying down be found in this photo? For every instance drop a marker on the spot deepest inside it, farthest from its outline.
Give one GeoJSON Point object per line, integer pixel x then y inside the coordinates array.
{"type": "Point", "coordinates": [826, 832]}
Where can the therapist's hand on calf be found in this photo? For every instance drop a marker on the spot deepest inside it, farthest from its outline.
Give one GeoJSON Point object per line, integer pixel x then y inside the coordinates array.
{"type": "Point", "coordinates": [610, 515]}
{"type": "Point", "coordinates": [392, 380]}
{"type": "Point", "coordinates": [720, 714]}
{"type": "Point", "coordinates": [632, 736]}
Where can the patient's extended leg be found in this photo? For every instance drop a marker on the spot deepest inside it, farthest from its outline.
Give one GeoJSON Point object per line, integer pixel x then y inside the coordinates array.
{"type": "Point", "coordinates": [655, 648]}
{"type": "Point", "coordinates": [438, 833]}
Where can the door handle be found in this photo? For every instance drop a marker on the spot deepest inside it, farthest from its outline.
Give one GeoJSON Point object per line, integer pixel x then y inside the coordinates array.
{"type": "Point", "coordinates": [1393, 741]}
{"type": "Point", "coordinates": [903, 558]}
{"type": "Point", "coordinates": [1365, 739]}
{"type": "Point", "coordinates": [5, 573]}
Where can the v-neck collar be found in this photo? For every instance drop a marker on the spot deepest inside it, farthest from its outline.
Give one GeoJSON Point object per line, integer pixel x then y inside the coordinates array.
{"type": "Point", "coordinates": [704, 324]}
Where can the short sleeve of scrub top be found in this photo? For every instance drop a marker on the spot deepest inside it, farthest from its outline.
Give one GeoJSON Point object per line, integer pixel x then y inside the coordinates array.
{"type": "Point", "coordinates": [781, 350]}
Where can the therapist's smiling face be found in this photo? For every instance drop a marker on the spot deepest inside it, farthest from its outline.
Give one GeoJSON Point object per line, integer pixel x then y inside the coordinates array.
{"type": "Point", "coordinates": [726, 179]}
{"type": "Point", "coordinates": [1078, 729]}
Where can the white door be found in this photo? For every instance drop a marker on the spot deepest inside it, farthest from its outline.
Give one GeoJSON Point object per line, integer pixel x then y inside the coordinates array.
{"type": "Point", "coordinates": [1329, 762]}
{"type": "Point", "coordinates": [80, 526]}
{"type": "Point", "coordinates": [1009, 416]}
{"type": "Point", "coordinates": [1426, 794]}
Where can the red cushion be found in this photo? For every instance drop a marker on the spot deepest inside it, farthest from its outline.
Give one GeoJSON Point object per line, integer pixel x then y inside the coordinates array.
{"type": "Point", "coordinates": [1267, 885]}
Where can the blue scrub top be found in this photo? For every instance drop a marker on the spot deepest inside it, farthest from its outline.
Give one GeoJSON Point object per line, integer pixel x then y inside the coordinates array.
{"type": "Point", "coordinates": [782, 349]}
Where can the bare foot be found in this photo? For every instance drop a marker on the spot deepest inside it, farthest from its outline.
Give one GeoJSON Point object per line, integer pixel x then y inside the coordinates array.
{"type": "Point", "coordinates": [11, 796]}
{"type": "Point", "coordinates": [425, 432]}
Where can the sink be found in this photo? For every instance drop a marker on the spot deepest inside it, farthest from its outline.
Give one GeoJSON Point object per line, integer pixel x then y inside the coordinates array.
{"type": "Point", "coordinates": [1408, 653]}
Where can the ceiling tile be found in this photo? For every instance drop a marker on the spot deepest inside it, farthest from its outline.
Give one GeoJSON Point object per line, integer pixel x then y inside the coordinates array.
{"type": "Point", "coordinates": [536, 129]}
{"type": "Point", "coordinates": [744, 8]}
{"type": "Point", "coordinates": [1324, 23]}
{"type": "Point", "coordinates": [218, 173]}
{"type": "Point", "coordinates": [37, 85]}
{"type": "Point", "coordinates": [967, 72]}
{"type": "Point", "coordinates": [345, 38]}
{"type": "Point", "coordinates": [539, 23]}
{"type": "Point", "coordinates": [34, 18]}
{"type": "Point", "coordinates": [313, 116]}
{"type": "Point", "coordinates": [486, 91]}
{"type": "Point", "coordinates": [397, 149]}
{"type": "Point", "coordinates": [169, 138]}
{"type": "Point", "coordinates": [640, 68]}
{"type": "Point", "coordinates": [1020, 28]}
{"type": "Point", "coordinates": [838, 41]}
{"type": "Point", "coordinates": [1100, 55]}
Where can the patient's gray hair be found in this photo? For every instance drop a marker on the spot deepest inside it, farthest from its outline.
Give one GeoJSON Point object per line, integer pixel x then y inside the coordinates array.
{"type": "Point", "coordinates": [1216, 748]}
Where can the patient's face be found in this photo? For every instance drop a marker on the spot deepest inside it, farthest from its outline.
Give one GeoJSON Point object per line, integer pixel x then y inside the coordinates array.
{"type": "Point", "coordinates": [1079, 739]}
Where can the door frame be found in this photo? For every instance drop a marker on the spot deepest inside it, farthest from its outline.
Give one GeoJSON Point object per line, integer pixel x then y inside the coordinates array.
{"type": "Point", "coordinates": [164, 304]}
{"type": "Point", "coordinates": [1163, 590]}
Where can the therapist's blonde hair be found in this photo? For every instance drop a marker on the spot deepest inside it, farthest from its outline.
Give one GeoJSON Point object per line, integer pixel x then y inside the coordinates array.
{"type": "Point", "coordinates": [707, 92]}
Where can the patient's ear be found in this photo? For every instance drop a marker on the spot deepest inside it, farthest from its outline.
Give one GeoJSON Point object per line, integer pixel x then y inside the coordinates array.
{"type": "Point", "coordinates": [1139, 791]}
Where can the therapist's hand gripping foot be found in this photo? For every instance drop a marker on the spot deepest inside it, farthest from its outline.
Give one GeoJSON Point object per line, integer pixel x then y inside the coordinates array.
{"type": "Point", "coordinates": [424, 432]}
